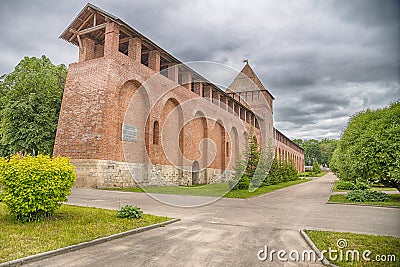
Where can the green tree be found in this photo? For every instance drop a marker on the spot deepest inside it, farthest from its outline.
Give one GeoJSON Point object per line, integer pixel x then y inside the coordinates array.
{"type": "Point", "coordinates": [369, 148]}
{"type": "Point", "coordinates": [281, 171]}
{"type": "Point", "coordinates": [246, 166]}
{"type": "Point", "coordinates": [299, 142]}
{"type": "Point", "coordinates": [327, 146]}
{"type": "Point", "coordinates": [316, 168]}
{"type": "Point", "coordinates": [30, 102]}
{"type": "Point", "coordinates": [312, 151]}
{"type": "Point", "coordinates": [252, 155]}
{"type": "Point", "coordinates": [252, 168]}
{"type": "Point", "coordinates": [315, 150]}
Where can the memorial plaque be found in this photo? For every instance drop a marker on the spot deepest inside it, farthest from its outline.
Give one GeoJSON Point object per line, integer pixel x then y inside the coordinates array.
{"type": "Point", "coordinates": [129, 133]}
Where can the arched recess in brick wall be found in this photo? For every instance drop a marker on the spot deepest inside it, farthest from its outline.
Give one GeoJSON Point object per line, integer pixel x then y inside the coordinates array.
{"type": "Point", "coordinates": [133, 111]}
{"type": "Point", "coordinates": [172, 133]}
{"type": "Point", "coordinates": [200, 142]}
{"type": "Point", "coordinates": [218, 136]}
{"type": "Point", "coordinates": [235, 153]}
{"type": "Point", "coordinates": [126, 92]}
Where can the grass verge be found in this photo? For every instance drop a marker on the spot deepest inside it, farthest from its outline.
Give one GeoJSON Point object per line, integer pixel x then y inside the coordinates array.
{"type": "Point", "coordinates": [70, 225]}
{"type": "Point", "coordinates": [376, 188]}
{"type": "Point", "coordinates": [380, 246]}
{"type": "Point", "coordinates": [311, 174]}
{"type": "Point", "coordinates": [213, 190]}
{"type": "Point", "coordinates": [394, 200]}
{"type": "Point", "coordinates": [243, 193]}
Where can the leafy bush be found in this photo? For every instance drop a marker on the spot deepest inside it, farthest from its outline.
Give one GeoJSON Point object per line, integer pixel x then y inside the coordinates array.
{"type": "Point", "coordinates": [345, 185]}
{"type": "Point", "coordinates": [367, 196]}
{"type": "Point", "coordinates": [349, 185]}
{"type": "Point", "coordinates": [361, 186]}
{"type": "Point", "coordinates": [130, 212]}
{"type": "Point", "coordinates": [34, 187]}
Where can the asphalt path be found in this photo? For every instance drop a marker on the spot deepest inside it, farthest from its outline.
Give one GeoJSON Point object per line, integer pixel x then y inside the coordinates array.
{"type": "Point", "coordinates": [226, 232]}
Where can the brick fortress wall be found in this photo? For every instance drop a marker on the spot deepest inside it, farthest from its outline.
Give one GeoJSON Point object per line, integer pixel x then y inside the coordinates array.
{"type": "Point", "coordinates": [104, 96]}
{"type": "Point", "coordinates": [133, 115]}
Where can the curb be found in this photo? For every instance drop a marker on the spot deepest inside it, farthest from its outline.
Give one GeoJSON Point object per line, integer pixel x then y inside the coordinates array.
{"type": "Point", "coordinates": [71, 248]}
{"type": "Point", "coordinates": [362, 205]}
{"type": "Point", "coordinates": [308, 240]}
{"type": "Point", "coordinates": [333, 185]}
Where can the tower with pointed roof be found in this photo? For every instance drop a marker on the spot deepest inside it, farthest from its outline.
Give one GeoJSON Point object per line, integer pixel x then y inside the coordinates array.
{"type": "Point", "coordinates": [250, 89]}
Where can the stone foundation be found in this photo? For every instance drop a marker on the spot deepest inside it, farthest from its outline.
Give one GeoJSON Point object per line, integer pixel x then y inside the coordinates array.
{"type": "Point", "coordinates": [93, 173]}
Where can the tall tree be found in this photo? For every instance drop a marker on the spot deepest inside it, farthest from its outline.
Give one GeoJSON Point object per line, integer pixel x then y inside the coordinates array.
{"type": "Point", "coordinates": [311, 152]}
{"type": "Point", "coordinates": [30, 102]}
{"type": "Point", "coordinates": [370, 147]}
{"type": "Point", "coordinates": [314, 150]}
{"type": "Point", "coordinates": [327, 146]}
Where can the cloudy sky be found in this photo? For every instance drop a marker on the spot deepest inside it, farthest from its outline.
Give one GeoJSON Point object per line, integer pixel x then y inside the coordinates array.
{"type": "Point", "coordinates": [322, 60]}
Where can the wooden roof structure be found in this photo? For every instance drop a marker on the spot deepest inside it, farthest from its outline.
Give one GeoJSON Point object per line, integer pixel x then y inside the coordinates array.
{"type": "Point", "coordinates": [91, 22]}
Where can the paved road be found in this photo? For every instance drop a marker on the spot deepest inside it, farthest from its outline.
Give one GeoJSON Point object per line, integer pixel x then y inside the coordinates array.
{"type": "Point", "coordinates": [228, 232]}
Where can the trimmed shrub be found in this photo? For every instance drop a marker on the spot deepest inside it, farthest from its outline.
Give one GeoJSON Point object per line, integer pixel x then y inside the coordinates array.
{"type": "Point", "coordinates": [34, 187]}
{"type": "Point", "coordinates": [367, 196]}
{"type": "Point", "coordinates": [130, 212]}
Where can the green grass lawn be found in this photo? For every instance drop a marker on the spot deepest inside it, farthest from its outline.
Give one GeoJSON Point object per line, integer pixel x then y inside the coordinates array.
{"type": "Point", "coordinates": [214, 190]}
{"type": "Point", "coordinates": [378, 245]}
{"type": "Point", "coordinates": [70, 225]}
{"type": "Point", "coordinates": [394, 200]}
{"type": "Point", "coordinates": [376, 188]}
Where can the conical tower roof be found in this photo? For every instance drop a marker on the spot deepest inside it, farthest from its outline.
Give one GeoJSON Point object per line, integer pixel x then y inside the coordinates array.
{"type": "Point", "coordinates": [247, 80]}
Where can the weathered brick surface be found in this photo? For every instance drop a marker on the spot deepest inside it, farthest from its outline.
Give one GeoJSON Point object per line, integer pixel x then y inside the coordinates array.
{"type": "Point", "coordinates": [107, 92]}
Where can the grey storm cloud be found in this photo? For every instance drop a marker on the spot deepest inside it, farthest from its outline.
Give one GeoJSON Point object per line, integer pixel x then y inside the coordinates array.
{"type": "Point", "coordinates": [322, 60]}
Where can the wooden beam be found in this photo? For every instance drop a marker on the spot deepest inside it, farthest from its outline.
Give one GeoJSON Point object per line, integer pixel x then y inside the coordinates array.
{"type": "Point", "coordinates": [94, 19]}
{"type": "Point", "coordinates": [124, 40]}
{"type": "Point", "coordinates": [125, 31]}
{"type": "Point", "coordinates": [89, 30]}
{"type": "Point", "coordinates": [80, 43]}
{"type": "Point", "coordinates": [80, 27]}
{"type": "Point", "coordinates": [92, 29]}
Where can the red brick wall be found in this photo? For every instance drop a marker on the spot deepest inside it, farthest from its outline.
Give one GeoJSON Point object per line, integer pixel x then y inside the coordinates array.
{"type": "Point", "coordinates": [102, 93]}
